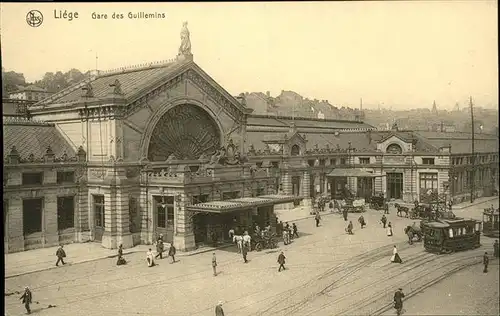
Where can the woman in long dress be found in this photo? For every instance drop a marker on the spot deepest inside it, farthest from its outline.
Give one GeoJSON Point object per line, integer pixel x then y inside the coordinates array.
{"type": "Point", "coordinates": [389, 229]}
{"type": "Point", "coordinates": [395, 256]}
{"type": "Point", "coordinates": [150, 258]}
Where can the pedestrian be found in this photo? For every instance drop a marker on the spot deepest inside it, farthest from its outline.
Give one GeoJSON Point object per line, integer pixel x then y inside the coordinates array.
{"type": "Point", "coordinates": [361, 221]}
{"type": "Point", "coordinates": [386, 208]}
{"type": "Point", "coordinates": [171, 252]}
{"type": "Point", "coordinates": [214, 263]}
{"type": "Point", "coordinates": [281, 261]}
{"type": "Point", "coordinates": [247, 240]}
{"type": "Point", "coordinates": [349, 228]}
{"type": "Point", "coordinates": [344, 214]}
{"type": "Point", "coordinates": [244, 252]}
{"type": "Point", "coordinates": [389, 229]}
{"type": "Point", "coordinates": [295, 230]}
{"type": "Point", "coordinates": [317, 218]}
{"type": "Point", "coordinates": [398, 301]}
{"type": "Point", "coordinates": [486, 261]}
{"type": "Point", "coordinates": [159, 247]}
{"type": "Point", "coordinates": [286, 237]}
{"type": "Point", "coordinates": [121, 260]}
{"type": "Point", "coordinates": [279, 229]}
{"type": "Point", "coordinates": [383, 220]}
{"type": "Point", "coordinates": [395, 256]}
{"type": "Point", "coordinates": [150, 258]}
{"type": "Point", "coordinates": [218, 309]}
{"type": "Point", "coordinates": [496, 252]}
{"type": "Point", "coordinates": [27, 299]}
{"type": "Point", "coordinates": [60, 253]}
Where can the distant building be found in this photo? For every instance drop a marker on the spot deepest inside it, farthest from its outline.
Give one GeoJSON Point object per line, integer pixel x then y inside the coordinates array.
{"type": "Point", "coordinates": [30, 93]}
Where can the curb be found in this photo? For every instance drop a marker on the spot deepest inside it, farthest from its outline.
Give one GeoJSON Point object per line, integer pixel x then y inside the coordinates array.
{"type": "Point", "coordinates": [474, 203]}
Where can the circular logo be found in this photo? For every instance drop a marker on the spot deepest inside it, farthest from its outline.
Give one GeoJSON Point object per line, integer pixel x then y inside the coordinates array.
{"type": "Point", "coordinates": [34, 18]}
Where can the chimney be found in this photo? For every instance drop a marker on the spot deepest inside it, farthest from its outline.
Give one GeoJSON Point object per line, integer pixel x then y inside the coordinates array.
{"type": "Point", "coordinates": [369, 135]}
{"type": "Point", "coordinates": [268, 94]}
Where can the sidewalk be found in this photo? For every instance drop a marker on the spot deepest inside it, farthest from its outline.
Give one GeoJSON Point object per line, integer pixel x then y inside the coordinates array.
{"type": "Point", "coordinates": [26, 262]}
{"type": "Point", "coordinates": [476, 202]}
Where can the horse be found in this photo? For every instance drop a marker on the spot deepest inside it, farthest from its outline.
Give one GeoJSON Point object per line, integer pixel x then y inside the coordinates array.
{"type": "Point", "coordinates": [238, 240]}
{"type": "Point", "coordinates": [412, 231]}
{"type": "Point", "coordinates": [401, 210]}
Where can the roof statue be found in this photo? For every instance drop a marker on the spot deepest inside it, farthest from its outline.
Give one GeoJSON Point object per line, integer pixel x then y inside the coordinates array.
{"type": "Point", "coordinates": [185, 48]}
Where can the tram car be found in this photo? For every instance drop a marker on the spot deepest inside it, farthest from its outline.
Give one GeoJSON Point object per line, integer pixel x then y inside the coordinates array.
{"type": "Point", "coordinates": [450, 235]}
{"type": "Point", "coordinates": [490, 222]}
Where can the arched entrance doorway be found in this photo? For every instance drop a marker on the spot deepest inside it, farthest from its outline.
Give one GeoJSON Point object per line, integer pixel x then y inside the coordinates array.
{"type": "Point", "coordinates": [186, 131]}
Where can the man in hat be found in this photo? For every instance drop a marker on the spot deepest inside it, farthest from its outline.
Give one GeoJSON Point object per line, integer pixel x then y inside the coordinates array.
{"type": "Point", "coordinates": [398, 301]}
{"type": "Point", "coordinates": [60, 253]}
{"type": "Point", "coordinates": [120, 261]}
{"type": "Point", "coordinates": [214, 263]}
{"type": "Point", "coordinates": [159, 247]}
{"type": "Point", "coordinates": [218, 309]}
{"type": "Point", "coordinates": [486, 261]}
{"type": "Point", "coordinates": [244, 252]}
{"type": "Point", "coordinates": [171, 252]}
{"type": "Point", "coordinates": [281, 261]}
{"type": "Point", "coordinates": [27, 299]}
{"type": "Point", "coordinates": [383, 220]}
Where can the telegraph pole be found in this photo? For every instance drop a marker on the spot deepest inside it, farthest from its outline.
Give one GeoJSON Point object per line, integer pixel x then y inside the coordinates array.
{"type": "Point", "coordinates": [473, 158]}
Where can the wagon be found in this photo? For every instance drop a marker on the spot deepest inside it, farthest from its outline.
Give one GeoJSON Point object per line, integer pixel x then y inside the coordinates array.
{"type": "Point", "coordinates": [269, 241]}
{"type": "Point", "coordinates": [450, 235]}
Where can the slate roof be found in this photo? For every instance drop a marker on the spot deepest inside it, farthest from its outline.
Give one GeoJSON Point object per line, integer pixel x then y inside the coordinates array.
{"type": "Point", "coordinates": [462, 142]}
{"type": "Point", "coordinates": [132, 81]}
{"type": "Point", "coordinates": [271, 121]}
{"type": "Point", "coordinates": [34, 138]}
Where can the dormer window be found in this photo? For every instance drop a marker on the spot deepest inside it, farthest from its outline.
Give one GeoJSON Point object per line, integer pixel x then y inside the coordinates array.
{"type": "Point", "coordinates": [295, 150]}
{"type": "Point", "coordinates": [394, 149]}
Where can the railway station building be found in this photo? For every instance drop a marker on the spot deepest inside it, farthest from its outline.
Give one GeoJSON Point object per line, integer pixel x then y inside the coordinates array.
{"type": "Point", "coordinates": [162, 148]}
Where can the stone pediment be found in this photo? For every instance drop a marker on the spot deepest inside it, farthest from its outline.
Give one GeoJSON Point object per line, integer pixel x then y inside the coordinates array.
{"type": "Point", "coordinates": [195, 75]}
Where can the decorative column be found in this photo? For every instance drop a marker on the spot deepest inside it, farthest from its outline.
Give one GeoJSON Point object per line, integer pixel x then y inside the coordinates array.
{"type": "Point", "coordinates": [50, 231]}
{"type": "Point", "coordinates": [183, 227]}
{"type": "Point", "coordinates": [306, 186]}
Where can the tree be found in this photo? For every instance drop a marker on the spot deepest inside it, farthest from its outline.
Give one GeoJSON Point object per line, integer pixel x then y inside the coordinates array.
{"type": "Point", "coordinates": [58, 81]}
{"type": "Point", "coordinates": [12, 80]}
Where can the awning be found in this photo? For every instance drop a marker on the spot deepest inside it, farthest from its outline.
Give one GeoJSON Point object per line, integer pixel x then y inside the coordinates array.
{"type": "Point", "coordinates": [358, 173]}
{"type": "Point", "coordinates": [242, 203]}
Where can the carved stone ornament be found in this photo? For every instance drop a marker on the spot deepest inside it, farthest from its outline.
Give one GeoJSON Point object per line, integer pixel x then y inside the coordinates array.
{"type": "Point", "coordinates": [117, 87]}
{"type": "Point", "coordinates": [88, 91]}
{"type": "Point", "coordinates": [251, 150]}
{"type": "Point", "coordinates": [185, 48]}
{"type": "Point", "coordinates": [98, 173]}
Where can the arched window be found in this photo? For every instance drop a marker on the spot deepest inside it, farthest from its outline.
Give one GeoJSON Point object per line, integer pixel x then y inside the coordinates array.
{"type": "Point", "coordinates": [394, 149]}
{"type": "Point", "coordinates": [295, 150]}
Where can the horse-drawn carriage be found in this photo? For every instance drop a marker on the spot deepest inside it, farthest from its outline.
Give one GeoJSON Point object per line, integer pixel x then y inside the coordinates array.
{"type": "Point", "coordinates": [377, 202]}
{"type": "Point", "coordinates": [265, 241]}
{"type": "Point", "coordinates": [413, 231]}
{"type": "Point", "coordinates": [354, 206]}
{"type": "Point", "coordinates": [449, 235]}
{"type": "Point", "coordinates": [491, 222]}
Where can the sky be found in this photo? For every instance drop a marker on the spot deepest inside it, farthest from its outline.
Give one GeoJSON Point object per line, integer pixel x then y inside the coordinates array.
{"type": "Point", "coordinates": [394, 54]}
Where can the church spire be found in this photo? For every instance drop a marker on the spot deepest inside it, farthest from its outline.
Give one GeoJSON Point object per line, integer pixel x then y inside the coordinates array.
{"type": "Point", "coordinates": [434, 107]}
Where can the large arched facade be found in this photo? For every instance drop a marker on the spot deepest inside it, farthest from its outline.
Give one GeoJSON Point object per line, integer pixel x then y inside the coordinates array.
{"type": "Point", "coordinates": [185, 131]}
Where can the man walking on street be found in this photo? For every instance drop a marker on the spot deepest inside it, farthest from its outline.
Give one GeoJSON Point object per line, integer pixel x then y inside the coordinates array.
{"type": "Point", "coordinates": [496, 252]}
{"type": "Point", "coordinates": [171, 252]}
{"type": "Point", "coordinates": [60, 255]}
{"type": "Point", "coordinates": [214, 263]}
{"type": "Point", "coordinates": [384, 220]}
{"type": "Point", "coordinates": [281, 261]}
{"type": "Point", "coordinates": [317, 218]}
{"type": "Point", "coordinates": [159, 247]}
{"type": "Point", "coordinates": [295, 231]}
{"type": "Point", "coordinates": [244, 252]}
{"type": "Point", "coordinates": [27, 299]}
{"type": "Point", "coordinates": [344, 214]}
{"type": "Point", "coordinates": [218, 309]}
{"type": "Point", "coordinates": [486, 260]}
{"type": "Point", "coordinates": [398, 301]}
{"type": "Point", "coordinates": [386, 208]}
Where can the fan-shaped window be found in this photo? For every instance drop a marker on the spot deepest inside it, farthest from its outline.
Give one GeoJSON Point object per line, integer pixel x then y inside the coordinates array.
{"type": "Point", "coordinates": [187, 132]}
{"type": "Point", "coordinates": [295, 150]}
{"type": "Point", "coordinates": [394, 149]}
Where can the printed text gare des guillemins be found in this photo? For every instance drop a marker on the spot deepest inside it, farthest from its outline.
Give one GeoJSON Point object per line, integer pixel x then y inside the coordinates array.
{"type": "Point", "coordinates": [70, 16]}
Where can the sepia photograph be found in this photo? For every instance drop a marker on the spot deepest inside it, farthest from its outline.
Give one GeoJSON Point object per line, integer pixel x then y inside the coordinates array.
{"type": "Point", "coordinates": [250, 158]}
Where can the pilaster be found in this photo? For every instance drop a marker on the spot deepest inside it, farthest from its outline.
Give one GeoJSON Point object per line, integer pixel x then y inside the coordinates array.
{"type": "Point", "coordinates": [183, 230]}
{"type": "Point", "coordinates": [15, 223]}
{"type": "Point", "coordinates": [50, 233]}
{"type": "Point", "coordinates": [305, 187]}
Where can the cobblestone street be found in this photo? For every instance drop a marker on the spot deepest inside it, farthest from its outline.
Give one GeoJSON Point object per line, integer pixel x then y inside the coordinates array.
{"type": "Point", "coordinates": [322, 256]}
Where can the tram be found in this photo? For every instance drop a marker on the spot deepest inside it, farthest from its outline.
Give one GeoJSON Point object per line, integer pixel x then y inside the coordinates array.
{"type": "Point", "coordinates": [490, 222]}
{"type": "Point", "coordinates": [450, 235]}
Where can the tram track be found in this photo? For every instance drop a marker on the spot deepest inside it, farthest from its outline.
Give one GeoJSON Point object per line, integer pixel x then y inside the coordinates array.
{"type": "Point", "coordinates": [368, 296]}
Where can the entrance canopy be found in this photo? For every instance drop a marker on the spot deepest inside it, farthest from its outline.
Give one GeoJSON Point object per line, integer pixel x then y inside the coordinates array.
{"type": "Point", "coordinates": [357, 173]}
{"type": "Point", "coordinates": [241, 203]}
